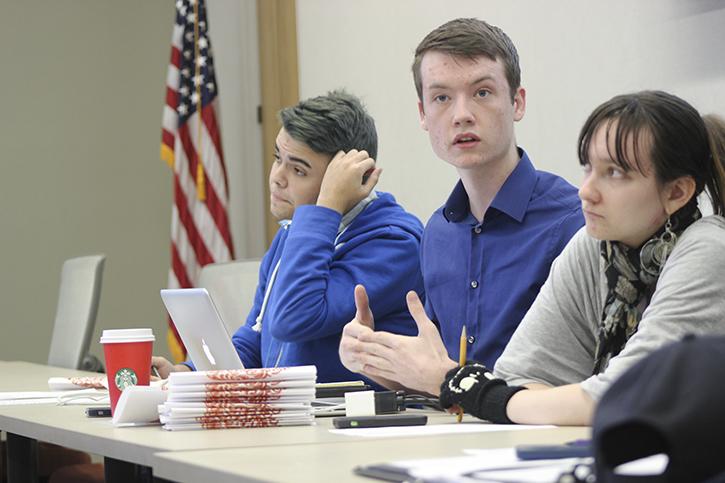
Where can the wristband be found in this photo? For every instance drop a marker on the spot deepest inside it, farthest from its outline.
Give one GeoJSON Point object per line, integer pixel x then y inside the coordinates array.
{"type": "Point", "coordinates": [478, 392]}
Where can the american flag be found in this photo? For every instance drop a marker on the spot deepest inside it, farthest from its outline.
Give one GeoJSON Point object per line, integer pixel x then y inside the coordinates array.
{"type": "Point", "coordinates": [191, 145]}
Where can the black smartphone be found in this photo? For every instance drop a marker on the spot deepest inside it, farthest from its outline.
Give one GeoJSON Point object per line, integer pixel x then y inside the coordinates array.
{"type": "Point", "coordinates": [380, 421]}
{"type": "Point", "coordinates": [98, 412]}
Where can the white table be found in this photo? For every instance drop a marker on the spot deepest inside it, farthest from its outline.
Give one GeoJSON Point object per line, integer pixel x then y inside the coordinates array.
{"type": "Point", "coordinates": [333, 461]}
{"type": "Point", "coordinates": [125, 447]}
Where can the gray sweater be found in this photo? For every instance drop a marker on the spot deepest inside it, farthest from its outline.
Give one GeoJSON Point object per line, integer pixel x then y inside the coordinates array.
{"type": "Point", "coordinates": [556, 340]}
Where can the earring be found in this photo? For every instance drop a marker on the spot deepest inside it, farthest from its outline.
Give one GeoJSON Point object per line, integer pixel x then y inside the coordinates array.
{"type": "Point", "coordinates": [654, 253]}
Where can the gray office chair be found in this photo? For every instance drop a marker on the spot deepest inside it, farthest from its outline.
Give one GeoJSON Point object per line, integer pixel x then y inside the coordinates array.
{"type": "Point", "coordinates": [231, 286]}
{"type": "Point", "coordinates": [75, 316]}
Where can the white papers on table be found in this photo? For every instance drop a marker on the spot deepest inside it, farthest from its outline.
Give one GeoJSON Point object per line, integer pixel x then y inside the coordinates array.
{"type": "Point", "coordinates": [434, 429]}
{"type": "Point", "coordinates": [81, 396]}
{"type": "Point", "coordinates": [84, 396]}
{"type": "Point", "coordinates": [28, 397]}
{"type": "Point", "coordinates": [63, 390]}
{"type": "Point", "coordinates": [500, 465]}
{"type": "Point", "coordinates": [66, 390]}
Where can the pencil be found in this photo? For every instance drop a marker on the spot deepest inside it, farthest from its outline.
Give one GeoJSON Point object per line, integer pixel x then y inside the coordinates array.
{"type": "Point", "coordinates": [462, 361]}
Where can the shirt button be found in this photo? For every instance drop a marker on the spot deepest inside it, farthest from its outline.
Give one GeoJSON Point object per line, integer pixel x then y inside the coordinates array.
{"type": "Point", "coordinates": [471, 339]}
{"type": "Point", "coordinates": [474, 284]}
{"type": "Point", "coordinates": [477, 229]}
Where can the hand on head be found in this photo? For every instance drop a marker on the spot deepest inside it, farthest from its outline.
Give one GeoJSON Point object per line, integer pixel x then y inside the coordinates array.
{"type": "Point", "coordinates": [415, 362]}
{"type": "Point", "coordinates": [349, 178]}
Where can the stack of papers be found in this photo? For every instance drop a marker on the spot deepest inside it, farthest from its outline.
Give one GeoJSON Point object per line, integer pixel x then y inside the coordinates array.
{"type": "Point", "coordinates": [63, 390]}
{"type": "Point", "coordinates": [86, 382]}
{"type": "Point", "coordinates": [241, 398]}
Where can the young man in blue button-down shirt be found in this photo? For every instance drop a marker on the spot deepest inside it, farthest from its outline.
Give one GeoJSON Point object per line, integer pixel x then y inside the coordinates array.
{"type": "Point", "coordinates": [487, 251]}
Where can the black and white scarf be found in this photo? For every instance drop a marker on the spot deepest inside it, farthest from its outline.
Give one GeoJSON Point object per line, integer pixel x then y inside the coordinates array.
{"type": "Point", "coordinates": [627, 287]}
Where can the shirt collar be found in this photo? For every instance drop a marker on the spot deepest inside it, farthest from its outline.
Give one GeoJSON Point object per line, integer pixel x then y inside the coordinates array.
{"type": "Point", "coordinates": [348, 217]}
{"type": "Point", "coordinates": [513, 197]}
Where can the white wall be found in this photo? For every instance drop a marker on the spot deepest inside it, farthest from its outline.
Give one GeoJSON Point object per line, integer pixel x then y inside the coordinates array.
{"type": "Point", "coordinates": [82, 94]}
{"type": "Point", "coordinates": [574, 55]}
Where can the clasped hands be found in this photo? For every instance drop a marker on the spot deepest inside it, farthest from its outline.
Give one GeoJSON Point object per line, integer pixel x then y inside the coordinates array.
{"type": "Point", "coordinates": [416, 363]}
{"type": "Point", "coordinates": [421, 363]}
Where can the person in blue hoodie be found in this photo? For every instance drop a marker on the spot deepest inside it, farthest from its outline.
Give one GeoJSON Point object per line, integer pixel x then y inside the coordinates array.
{"type": "Point", "coordinates": [335, 232]}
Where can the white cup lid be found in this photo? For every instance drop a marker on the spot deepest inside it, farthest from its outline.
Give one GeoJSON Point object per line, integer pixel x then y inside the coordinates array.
{"type": "Point", "coordinates": [115, 336]}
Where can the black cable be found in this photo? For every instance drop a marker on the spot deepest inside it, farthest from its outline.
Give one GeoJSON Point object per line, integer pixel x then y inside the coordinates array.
{"type": "Point", "coordinates": [410, 400]}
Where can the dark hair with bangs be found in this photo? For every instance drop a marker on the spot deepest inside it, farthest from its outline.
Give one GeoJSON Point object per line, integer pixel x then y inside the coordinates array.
{"type": "Point", "coordinates": [337, 121]}
{"type": "Point", "coordinates": [470, 38]}
{"type": "Point", "coordinates": [680, 141]}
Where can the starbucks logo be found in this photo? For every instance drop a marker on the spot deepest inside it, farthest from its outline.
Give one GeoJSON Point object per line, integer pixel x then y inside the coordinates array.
{"type": "Point", "coordinates": [125, 377]}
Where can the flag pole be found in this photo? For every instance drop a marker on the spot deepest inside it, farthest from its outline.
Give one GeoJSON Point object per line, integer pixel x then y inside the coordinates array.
{"type": "Point", "coordinates": [200, 187]}
{"type": "Point", "coordinates": [194, 241]}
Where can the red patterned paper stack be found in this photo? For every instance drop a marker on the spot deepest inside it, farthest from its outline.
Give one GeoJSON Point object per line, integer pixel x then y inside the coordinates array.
{"type": "Point", "coordinates": [244, 398]}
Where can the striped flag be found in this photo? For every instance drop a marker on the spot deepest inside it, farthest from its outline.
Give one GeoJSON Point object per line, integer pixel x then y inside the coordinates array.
{"type": "Point", "coordinates": [191, 145]}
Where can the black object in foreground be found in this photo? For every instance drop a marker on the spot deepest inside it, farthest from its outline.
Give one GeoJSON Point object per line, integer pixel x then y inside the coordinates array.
{"type": "Point", "coordinates": [96, 412]}
{"type": "Point", "coordinates": [380, 421]}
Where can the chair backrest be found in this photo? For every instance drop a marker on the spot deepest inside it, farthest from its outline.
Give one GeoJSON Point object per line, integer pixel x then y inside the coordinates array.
{"type": "Point", "coordinates": [232, 286]}
{"type": "Point", "coordinates": [75, 315]}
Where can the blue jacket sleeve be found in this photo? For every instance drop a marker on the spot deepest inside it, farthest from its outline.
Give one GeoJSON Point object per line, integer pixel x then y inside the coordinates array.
{"type": "Point", "coordinates": [248, 343]}
{"type": "Point", "coordinates": [314, 289]}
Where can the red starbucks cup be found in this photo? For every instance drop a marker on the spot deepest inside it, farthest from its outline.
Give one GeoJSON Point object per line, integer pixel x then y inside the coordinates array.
{"type": "Point", "coordinates": [128, 359]}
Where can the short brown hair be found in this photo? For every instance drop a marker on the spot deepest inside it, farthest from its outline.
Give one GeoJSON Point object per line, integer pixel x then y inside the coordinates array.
{"type": "Point", "coordinates": [470, 38]}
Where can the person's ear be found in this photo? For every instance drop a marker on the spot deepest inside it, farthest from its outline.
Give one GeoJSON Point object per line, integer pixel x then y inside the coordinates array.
{"type": "Point", "coordinates": [678, 193]}
{"type": "Point", "coordinates": [421, 113]}
{"type": "Point", "coordinates": [519, 104]}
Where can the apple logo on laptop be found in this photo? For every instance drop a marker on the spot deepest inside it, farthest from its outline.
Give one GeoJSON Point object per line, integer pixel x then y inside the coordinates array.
{"type": "Point", "coordinates": [207, 352]}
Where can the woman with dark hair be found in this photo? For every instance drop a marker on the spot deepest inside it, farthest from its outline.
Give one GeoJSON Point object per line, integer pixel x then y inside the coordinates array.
{"type": "Point", "coordinates": [646, 270]}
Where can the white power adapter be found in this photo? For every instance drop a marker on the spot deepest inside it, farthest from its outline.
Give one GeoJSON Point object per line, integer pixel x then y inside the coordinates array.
{"type": "Point", "coordinates": [360, 403]}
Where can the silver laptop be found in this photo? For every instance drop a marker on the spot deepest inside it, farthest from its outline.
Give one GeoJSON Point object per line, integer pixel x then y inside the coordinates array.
{"type": "Point", "coordinates": [201, 329]}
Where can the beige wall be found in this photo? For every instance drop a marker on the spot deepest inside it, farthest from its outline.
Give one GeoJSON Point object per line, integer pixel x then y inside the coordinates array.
{"type": "Point", "coordinates": [81, 93]}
